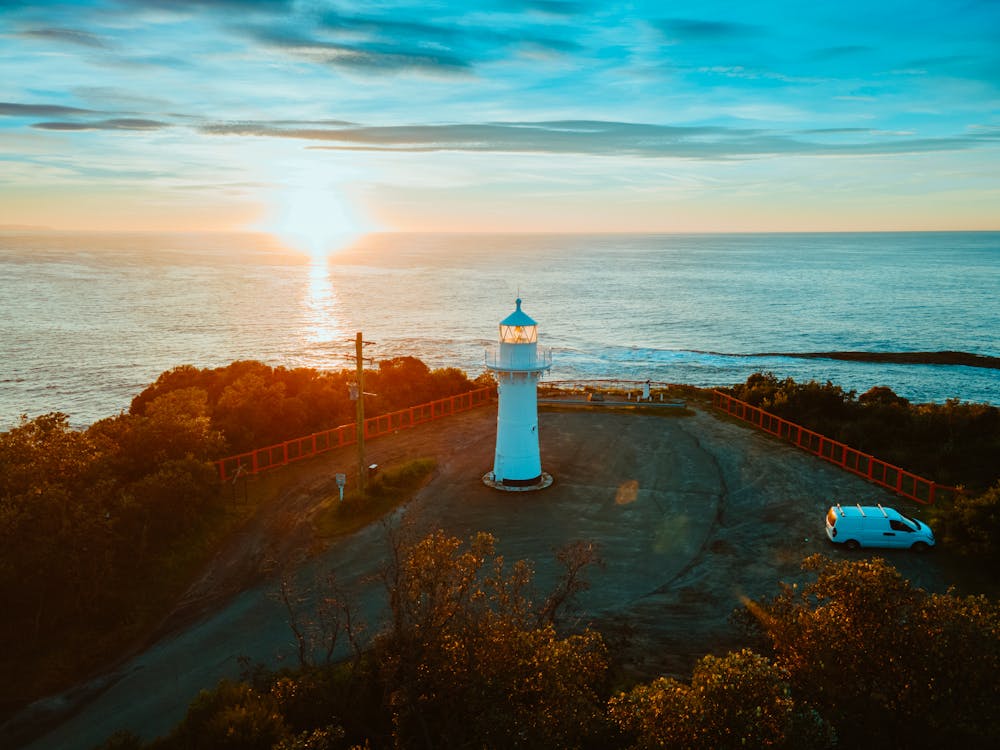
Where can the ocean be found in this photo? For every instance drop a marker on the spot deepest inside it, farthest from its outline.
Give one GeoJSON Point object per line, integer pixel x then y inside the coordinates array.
{"type": "Point", "coordinates": [88, 319]}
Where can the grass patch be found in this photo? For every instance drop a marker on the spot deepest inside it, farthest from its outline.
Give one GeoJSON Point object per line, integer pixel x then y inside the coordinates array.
{"type": "Point", "coordinates": [390, 487]}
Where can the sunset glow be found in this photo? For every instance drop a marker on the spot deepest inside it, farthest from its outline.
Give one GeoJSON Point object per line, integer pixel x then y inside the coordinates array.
{"type": "Point", "coordinates": [320, 120]}
{"type": "Point", "coordinates": [316, 220]}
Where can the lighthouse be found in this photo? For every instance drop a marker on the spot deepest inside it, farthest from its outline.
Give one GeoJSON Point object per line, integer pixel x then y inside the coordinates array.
{"type": "Point", "coordinates": [517, 465]}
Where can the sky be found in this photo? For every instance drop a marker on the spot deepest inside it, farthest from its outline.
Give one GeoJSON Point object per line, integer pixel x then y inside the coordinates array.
{"type": "Point", "coordinates": [316, 119]}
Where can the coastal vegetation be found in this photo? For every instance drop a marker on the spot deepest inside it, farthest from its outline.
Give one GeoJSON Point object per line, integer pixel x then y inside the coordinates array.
{"type": "Point", "coordinates": [251, 404]}
{"type": "Point", "coordinates": [955, 443]}
{"type": "Point", "coordinates": [101, 529]}
{"type": "Point", "coordinates": [856, 657]}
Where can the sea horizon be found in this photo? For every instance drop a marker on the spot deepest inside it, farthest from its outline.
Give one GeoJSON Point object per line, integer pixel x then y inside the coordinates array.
{"type": "Point", "coordinates": [92, 317]}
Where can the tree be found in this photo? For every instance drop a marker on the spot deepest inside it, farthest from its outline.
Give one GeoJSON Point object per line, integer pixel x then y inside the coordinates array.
{"type": "Point", "coordinates": [971, 525]}
{"type": "Point", "coordinates": [233, 715]}
{"type": "Point", "coordinates": [741, 700]}
{"type": "Point", "coordinates": [889, 665]}
{"type": "Point", "coordinates": [464, 661]}
{"type": "Point", "coordinates": [249, 412]}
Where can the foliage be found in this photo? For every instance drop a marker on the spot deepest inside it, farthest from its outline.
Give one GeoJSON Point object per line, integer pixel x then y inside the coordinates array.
{"type": "Point", "coordinates": [970, 524]}
{"type": "Point", "coordinates": [465, 661]}
{"type": "Point", "coordinates": [233, 715]}
{"type": "Point", "coordinates": [741, 700]}
{"type": "Point", "coordinates": [391, 486]}
{"type": "Point", "coordinates": [889, 665]}
{"type": "Point", "coordinates": [84, 515]}
{"type": "Point", "coordinates": [88, 517]}
{"type": "Point", "coordinates": [954, 443]}
{"type": "Point", "coordinates": [252, 404]}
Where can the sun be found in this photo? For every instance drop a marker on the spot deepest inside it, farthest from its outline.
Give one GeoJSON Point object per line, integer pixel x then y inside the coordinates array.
{"type": "Point", "coordinates": [316, 219]}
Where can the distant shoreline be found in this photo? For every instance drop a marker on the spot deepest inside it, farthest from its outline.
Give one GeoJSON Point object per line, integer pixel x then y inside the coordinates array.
{"type": "Point", "coordinates": [903, 358]}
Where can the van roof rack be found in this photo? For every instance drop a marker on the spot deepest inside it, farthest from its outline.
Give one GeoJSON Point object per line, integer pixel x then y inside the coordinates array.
{"type": "Point", "coordinates": [882, 509]}
{"type": "Point", "coordinates": [840, 509]}
{"type": "Point", "coordinates": [861, 510]}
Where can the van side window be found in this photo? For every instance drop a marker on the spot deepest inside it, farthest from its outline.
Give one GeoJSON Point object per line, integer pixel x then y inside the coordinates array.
{"type": "Point", "coordinates": [900, 526]}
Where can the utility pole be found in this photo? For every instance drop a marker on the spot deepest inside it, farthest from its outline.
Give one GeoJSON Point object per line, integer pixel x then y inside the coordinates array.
{"type": "Point", "coordinates": [358, 394]}
{"type": "Point", "coordinates": [360, 417]}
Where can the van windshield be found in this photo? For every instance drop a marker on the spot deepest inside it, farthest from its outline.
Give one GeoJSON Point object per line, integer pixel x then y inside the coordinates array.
{"type": "Point", "coordinates": [912, 521]}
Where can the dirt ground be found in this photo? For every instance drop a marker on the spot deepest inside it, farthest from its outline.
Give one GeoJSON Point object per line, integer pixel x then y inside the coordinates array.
{"type": "Point", "coordinates": [691, 514]}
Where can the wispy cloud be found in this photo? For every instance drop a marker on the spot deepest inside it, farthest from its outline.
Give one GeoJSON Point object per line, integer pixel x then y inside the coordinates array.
{"type": "Point", "coordinates": [271, 6]}
{"type": "Point", "coordinates": [700, 30]}
{"type": "Point", "coordinates": [397, 43]}
{"type": "Point", "coordinates": [120, 123]}
{"type": "Point", "coordinates": [600, 138]}
{"type": "Point", "coordinates": [69, 36]}
{"type": "Point", "coordinates": [375, 56]}
{"type": "Point", "coordinates": [14, 109]}
{"type": "Point", "coordinates": [841, 51]}
{"type": "Point", "coordinates": [453, 34]}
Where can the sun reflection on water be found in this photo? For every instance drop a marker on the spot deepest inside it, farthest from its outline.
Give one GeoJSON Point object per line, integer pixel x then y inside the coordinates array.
{"type": "Point", "coordinates": [323, 306]}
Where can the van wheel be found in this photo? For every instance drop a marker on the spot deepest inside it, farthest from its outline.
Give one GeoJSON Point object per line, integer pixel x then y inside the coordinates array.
{"type": "Point", "coordinates": [851, 544]}
{"type": "Point", "coordinates": [920, 547]}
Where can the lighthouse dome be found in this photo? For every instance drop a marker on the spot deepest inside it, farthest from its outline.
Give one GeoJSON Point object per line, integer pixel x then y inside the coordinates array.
{"type": "Point", "coordinates": [518, 327]}
{"type": "Point", "coordinates": [518, 317]}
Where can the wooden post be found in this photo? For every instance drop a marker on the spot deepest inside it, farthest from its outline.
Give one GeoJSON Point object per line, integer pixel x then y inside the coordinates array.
{"type": "Point", "coordinates": [360, 417]}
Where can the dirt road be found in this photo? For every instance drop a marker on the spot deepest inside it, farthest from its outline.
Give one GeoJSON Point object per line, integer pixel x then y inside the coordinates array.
{"type": "Point", "coordinates": [691, 514]}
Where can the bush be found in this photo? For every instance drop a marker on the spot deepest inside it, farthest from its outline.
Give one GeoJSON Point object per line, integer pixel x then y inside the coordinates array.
{"type": "Point", "coordinates": [970, 525]}
{"type": "Point", "coordinates": [741, 700]}
{"type": "Point", "coordinates": [889, 665]}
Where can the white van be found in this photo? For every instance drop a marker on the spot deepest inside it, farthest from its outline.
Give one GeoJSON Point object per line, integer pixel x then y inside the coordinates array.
{"type": "Point", "coordinates": [875, 526]}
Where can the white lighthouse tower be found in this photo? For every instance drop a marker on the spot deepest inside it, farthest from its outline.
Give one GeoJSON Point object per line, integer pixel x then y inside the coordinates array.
{"type": "Point", "coordinates": [518, 365]}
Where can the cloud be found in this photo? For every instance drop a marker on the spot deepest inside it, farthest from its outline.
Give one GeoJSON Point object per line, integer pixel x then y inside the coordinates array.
{"type": "Point", "coordinates": [698, 30]}
{"type": "Point", "coordinates": [275, 6]}
{"type": "Point", "coordinates": [13, 109]}
{"type": "Point", "coordinates": [452, 34]}
{"type": "Point", "coordinates": [376, 57]}
{"type": "Point", "coordinates": [121, 123]}
{"type": "Point", "coordinates": [600, 138]}
{"type": "Point", "coordinates": [844, 50]}
{"type": "Point", "coordinates": [409, 39]}
{"type": "Point", "coordinates": [69, 36]}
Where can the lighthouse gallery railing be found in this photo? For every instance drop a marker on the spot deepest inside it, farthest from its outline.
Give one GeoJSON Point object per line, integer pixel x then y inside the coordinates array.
{"type": "Point", "coordinates": [541, 361]}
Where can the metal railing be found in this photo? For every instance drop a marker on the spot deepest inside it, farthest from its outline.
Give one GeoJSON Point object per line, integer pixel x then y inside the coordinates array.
{"type": "Point", "coordinates": [893, 478]}
{"type": "Point", "coordinates": [296, 449]}
{"type": "Point", "coordinates": [541, 361]}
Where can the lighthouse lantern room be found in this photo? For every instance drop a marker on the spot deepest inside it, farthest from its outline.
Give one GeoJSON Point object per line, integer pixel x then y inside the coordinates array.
{"type": "Point", "coordinates": [518, 365]}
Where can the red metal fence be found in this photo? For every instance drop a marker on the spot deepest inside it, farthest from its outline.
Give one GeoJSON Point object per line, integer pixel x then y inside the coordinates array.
{"type": "Point", "coordinates": [886, 475]}
{"type": "Point", "coordinates": [281, 454]}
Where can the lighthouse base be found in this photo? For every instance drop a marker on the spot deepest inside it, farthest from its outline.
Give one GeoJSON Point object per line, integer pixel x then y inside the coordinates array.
{"type": "Point", "coordinates": [518, 485]}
